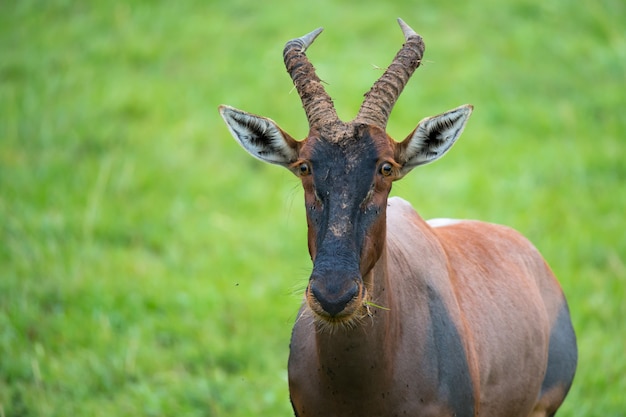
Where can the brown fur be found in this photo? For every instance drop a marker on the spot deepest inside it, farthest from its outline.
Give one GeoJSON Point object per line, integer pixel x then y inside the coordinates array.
{"type": "Point", "coordinates": [493, 282]}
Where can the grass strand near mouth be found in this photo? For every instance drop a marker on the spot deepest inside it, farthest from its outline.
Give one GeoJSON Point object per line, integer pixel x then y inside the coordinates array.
{"type": "Point", "coordinates": [371, 304]}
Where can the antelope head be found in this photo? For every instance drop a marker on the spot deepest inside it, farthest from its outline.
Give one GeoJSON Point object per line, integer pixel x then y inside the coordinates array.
{"type": "Point", "coordinates": [346, 169]}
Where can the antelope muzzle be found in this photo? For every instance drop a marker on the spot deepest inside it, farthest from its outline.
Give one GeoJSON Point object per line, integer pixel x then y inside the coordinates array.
{"type": "Point", "coordinates": [336, 296]}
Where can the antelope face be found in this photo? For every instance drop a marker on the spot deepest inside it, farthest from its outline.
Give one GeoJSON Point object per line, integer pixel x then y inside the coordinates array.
{"type": "Point", "coordinates": [346, 171]}
{"type": "Point", "coordinates": [346, 183]}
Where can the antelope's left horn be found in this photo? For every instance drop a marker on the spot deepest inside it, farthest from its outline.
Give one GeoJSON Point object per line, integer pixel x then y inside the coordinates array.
{"type": "Point", "coordinates": [381, 98]}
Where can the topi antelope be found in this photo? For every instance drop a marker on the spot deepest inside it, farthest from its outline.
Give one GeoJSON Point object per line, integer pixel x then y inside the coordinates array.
{"type": "Point", "coordinates": [404, 317]}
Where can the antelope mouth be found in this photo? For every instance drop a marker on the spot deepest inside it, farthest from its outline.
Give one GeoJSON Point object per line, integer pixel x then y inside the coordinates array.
{"type": "Point", "coordinates": [342, 310]}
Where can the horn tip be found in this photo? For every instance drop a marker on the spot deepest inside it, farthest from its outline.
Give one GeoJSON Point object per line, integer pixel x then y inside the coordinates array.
{"type": "Point", "coordinates": [308, 39]}
{"type": "Point", "coordinates": [406, 29]}
{"type": "Point", "coordinates": [318, 31]}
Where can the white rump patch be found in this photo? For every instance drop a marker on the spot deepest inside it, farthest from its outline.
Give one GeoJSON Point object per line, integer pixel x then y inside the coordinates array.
{"type": "Point", "coordinates": [442, 222]}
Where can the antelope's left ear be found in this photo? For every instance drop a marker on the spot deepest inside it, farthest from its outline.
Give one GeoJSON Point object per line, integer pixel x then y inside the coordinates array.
{"type": "Point", "coordinates": [261, 137]}
{"type": "Point", "coordinates": [432, 138]}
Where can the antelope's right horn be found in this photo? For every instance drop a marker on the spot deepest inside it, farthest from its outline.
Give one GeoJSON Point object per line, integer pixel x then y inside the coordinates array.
{"type": "Point", "coordinates": [317, 104]}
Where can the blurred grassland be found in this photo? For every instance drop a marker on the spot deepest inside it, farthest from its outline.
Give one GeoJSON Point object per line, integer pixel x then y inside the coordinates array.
{"type": "Point", "coordinates": [148, 266]}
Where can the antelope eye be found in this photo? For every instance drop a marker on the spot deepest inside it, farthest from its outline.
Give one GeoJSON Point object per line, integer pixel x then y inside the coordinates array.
{"type": "Point", "coordinates": [304, 169]}
{"type": "Point", "coordinates": [386, 169]}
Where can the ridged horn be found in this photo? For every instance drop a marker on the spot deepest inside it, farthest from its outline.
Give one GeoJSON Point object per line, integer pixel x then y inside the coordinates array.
{"type": "Point", "coordinates": [317, 104]}
{"type": "Point", "coordinates": [380, 99]}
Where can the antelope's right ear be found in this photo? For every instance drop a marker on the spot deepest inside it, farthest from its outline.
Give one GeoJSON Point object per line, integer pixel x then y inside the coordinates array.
{"type": "Point", "coordinates": [261, 137]}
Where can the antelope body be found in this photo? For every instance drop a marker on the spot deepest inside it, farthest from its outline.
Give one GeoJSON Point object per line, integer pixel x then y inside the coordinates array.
{"type": "Point", "coordinates": [402, 316]}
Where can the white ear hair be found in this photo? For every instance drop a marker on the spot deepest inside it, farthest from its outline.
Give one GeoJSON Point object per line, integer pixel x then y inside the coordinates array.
{"type": "Point", "coordinates": [260, 136]}
{"type": "Point", "coordinates": [432, 138]}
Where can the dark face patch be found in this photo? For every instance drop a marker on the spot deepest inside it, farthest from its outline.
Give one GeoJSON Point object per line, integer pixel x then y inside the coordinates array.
{"type": "Point", "coordinates": [342, 184]}
{"type": "Point", "coordinates": [346, 192]}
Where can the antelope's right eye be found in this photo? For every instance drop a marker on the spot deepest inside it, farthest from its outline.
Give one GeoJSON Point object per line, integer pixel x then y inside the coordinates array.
{"type": "Point", "coordinates": [304, 169]}
{"type": "Point", "coordinates": [386, 169]}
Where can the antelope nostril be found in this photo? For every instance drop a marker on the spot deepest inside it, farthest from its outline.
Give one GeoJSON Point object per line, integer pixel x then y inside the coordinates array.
{"type": "Point", "coordinates": [334, 300]}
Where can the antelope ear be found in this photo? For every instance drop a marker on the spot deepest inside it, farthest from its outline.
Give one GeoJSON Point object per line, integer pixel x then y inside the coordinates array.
{"type": "Point", "coordinates": [260, 136]}
{"type": "Point", "coordinates": [432, 138]}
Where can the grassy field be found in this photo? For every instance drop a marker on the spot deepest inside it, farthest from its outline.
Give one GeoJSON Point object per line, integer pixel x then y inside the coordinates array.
{"type": "Point", "coordinates": [149, 267]}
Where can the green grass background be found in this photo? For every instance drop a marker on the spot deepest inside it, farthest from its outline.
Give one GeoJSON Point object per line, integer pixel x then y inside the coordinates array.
{"type": "Point", "coordinates": [150, 267]}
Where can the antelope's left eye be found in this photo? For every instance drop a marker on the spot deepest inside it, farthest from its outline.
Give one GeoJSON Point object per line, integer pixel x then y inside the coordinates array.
{"type": "Point", "coordinates": [304, 169]}
{"type": "Point", "coordinates": [386, 169]}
